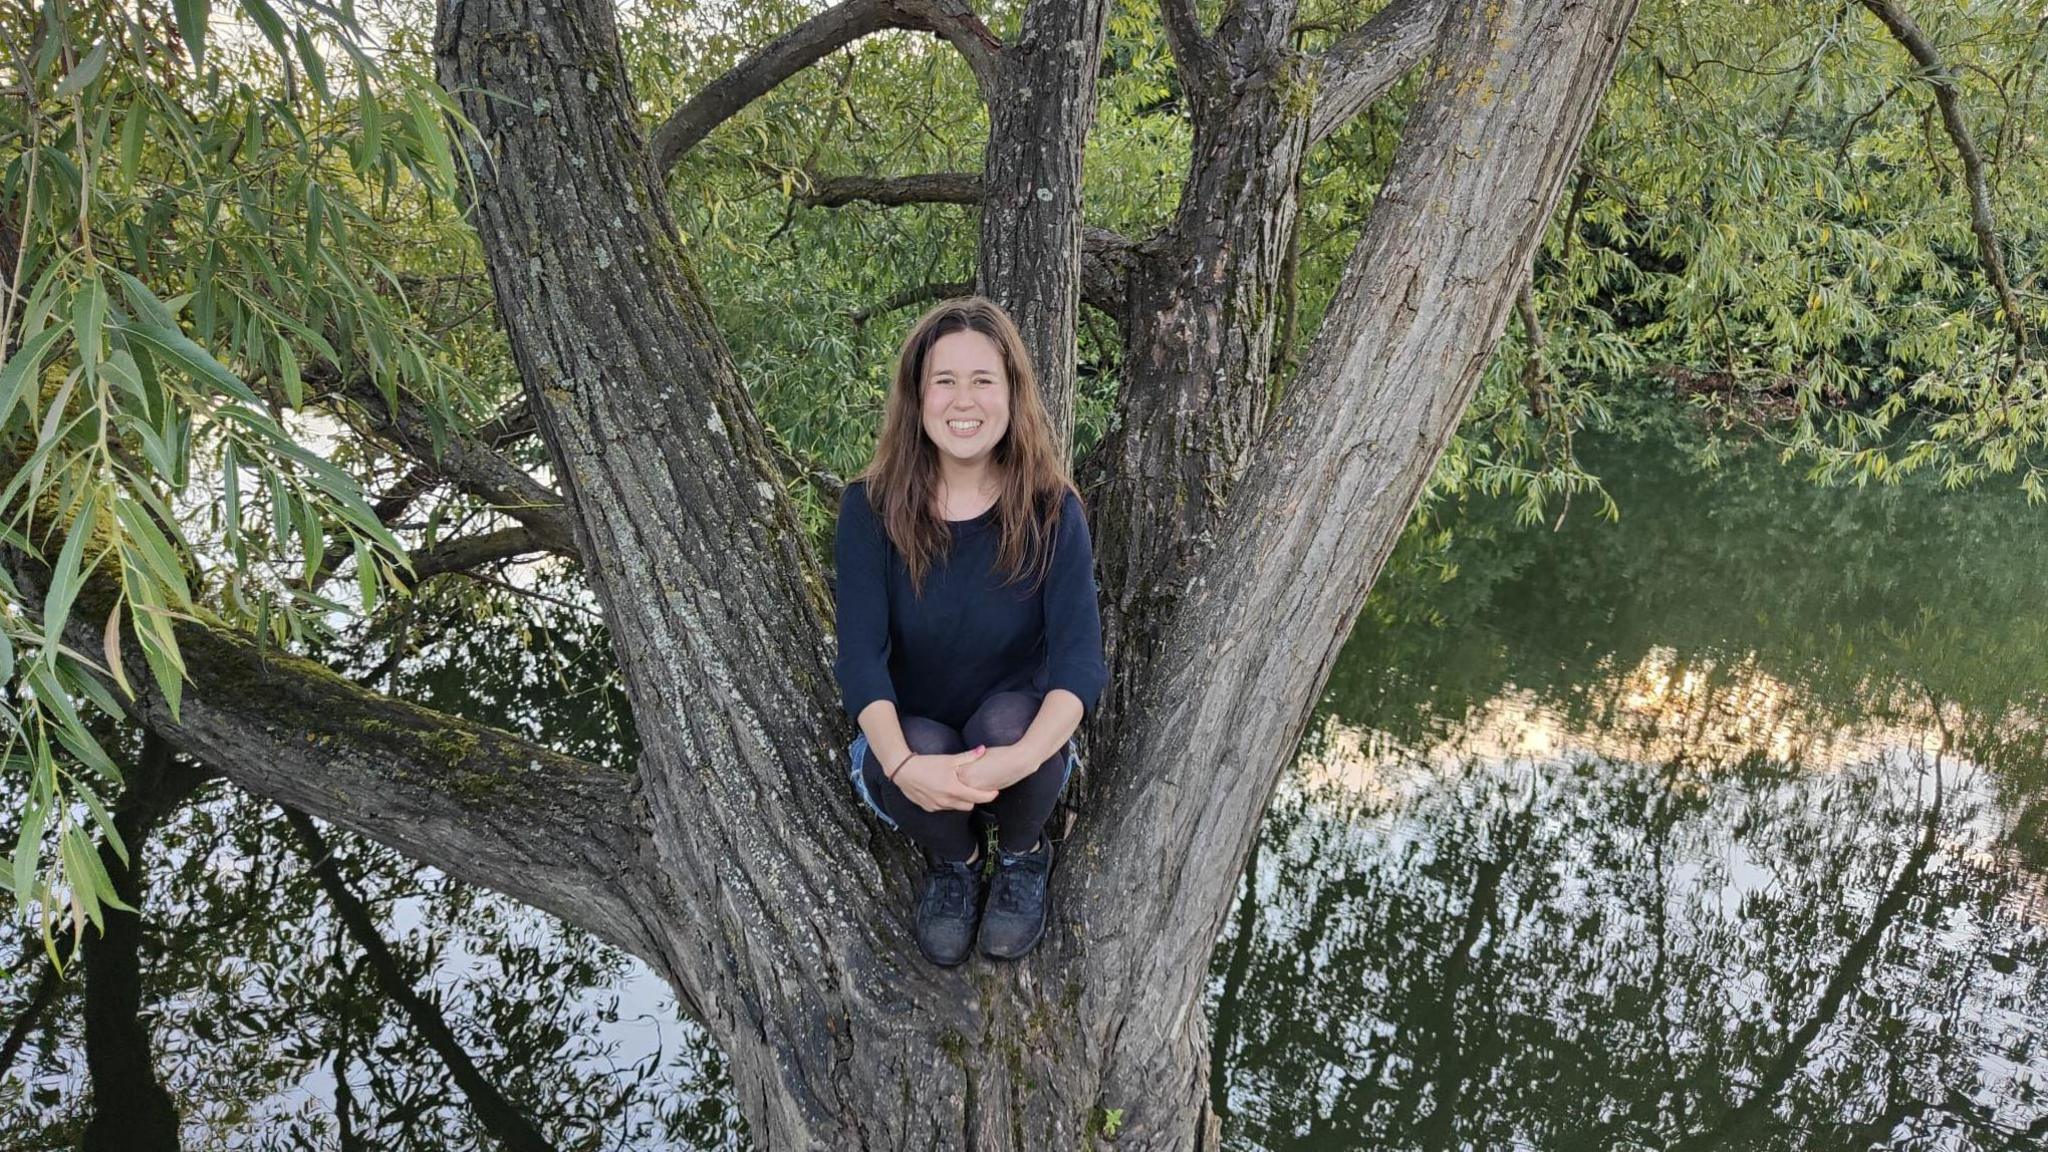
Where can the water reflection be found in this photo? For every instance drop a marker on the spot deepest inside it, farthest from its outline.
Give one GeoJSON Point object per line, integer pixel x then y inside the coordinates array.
{"type": "Point", "coordinates": [326, 993]}
{"type": "Point", "coordinates": [1717, 828]}
{"type": "Point", "coordinates": [1721, 827]}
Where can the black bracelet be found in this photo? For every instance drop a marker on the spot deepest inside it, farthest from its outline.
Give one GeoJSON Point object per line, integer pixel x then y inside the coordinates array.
{"type": "Point", "coordinates": [890, 775]}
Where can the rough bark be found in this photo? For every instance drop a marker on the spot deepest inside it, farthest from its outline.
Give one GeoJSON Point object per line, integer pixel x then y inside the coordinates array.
{"type": "Point", "coordinates": [1030, 253]}
{"type": "Point", "coordinates": [1359, 68]}
{"type": "Point", "coordinates": [1200, 320]}
{"type": "Point", "coordinates": [889, 191]}
{"type": "Point", "coordinates": [1205, 311]}
{"type": "Point", "coordinates": [794, 952]}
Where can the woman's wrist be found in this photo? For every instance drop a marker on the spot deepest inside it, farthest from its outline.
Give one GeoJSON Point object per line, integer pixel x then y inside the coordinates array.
{"type": "Point", "coordinates": [890, 775]}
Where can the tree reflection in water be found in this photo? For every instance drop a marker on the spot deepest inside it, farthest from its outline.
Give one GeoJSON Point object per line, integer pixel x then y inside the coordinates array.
{"type": "Point", "coordinates": [1715, 829]}
{"type": "Point", "coordinates": [1718, 828]}
{"type": "Point", "coordinates": [276, 1024]}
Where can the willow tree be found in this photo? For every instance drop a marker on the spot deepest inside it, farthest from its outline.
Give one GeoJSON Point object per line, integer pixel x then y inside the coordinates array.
{"type": "Point", "coordinates": [1238, 533]}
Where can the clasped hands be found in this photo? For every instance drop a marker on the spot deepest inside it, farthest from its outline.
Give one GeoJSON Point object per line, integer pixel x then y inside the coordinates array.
{"type": "Point", "coordinates": [957, 781]}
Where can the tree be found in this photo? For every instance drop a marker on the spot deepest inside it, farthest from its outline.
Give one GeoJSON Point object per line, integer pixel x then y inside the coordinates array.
{"type": "Point", "coordinates": [1238, 533]}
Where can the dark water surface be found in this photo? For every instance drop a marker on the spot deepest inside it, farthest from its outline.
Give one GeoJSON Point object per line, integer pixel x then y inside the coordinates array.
{"type": "Point", "coordinates": [1721, 827]}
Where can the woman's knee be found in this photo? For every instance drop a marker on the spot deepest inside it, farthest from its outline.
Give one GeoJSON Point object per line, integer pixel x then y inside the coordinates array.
{"type": "Point", "coordinates": [1002, 719]}
{"type": "Point", "coordinates": [931, 738]}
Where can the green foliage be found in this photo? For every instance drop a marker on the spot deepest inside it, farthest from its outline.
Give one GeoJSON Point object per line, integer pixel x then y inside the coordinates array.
{"type": "Point", "coordinates": [1773, 221]}
{"type": "Point", "coordinates": [192, 244]}
{"type": "Point", "coordinates": [237, 231]}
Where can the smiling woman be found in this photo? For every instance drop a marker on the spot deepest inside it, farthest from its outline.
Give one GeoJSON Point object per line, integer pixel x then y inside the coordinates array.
{"type": "Point", "coordinates": [967, 616]}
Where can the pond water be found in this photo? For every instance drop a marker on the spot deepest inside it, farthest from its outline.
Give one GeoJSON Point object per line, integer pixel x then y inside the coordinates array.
{"type": "Point", "coordinates": [1724, 826]}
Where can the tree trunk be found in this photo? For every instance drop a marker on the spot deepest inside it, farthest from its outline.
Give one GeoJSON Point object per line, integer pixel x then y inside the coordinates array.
{"type": "Point", "coordinates": [1423, 299]}
{"type": "Point", "coordinates": [131, 1111]}
{"type": "Point", "coordinates": [1203, 307]}
{"type": "Point", "coordinates": [1030, 253]}
{"type": "Point", "coordinates": [1199, 333]}
{"type": "Point", "coordinates": [736, 861]}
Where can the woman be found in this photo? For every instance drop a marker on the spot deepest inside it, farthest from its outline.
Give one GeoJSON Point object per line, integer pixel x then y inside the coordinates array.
{"type": "Point", "coordinates": [970, 646]}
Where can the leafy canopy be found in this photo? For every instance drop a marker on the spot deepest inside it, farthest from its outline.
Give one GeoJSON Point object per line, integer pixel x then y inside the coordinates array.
{"type": "Point", "coordinates": [232, 241]}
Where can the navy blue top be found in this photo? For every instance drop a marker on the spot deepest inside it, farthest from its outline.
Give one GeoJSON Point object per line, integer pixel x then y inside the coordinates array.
{"type": "Point", "coordinates": [941, 655]}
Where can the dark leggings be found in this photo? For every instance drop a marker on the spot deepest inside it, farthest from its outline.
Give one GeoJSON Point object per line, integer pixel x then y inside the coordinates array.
{"type": "Point", "coordinates": [1019, 811]}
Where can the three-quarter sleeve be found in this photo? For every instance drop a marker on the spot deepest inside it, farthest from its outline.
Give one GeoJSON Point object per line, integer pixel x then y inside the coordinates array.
{"type": "Point", "coordinates": [861, 553]}
{"type": "Point", "coordinates": [1073, 619]}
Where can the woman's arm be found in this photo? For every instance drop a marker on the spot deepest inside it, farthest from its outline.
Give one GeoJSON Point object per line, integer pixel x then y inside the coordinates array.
{"type": "Point", "coordinates": [885, 733]}
{"type": "Point", "coordinates": [1073, 620]}
{"type": "Point", "coordinates": [1058, 715]}
{"type": "Point", "coordinates": [861, 552]}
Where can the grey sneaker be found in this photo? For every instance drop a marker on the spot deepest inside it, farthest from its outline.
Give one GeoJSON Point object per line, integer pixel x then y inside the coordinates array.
{"type": "Point", "coordinates": [1017, 902]}
{"type": "Point", "coordinates": [947, 910]}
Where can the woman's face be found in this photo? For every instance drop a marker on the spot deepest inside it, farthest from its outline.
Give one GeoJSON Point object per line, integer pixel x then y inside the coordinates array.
{"type": "Point", "coordinates": [966, 406]}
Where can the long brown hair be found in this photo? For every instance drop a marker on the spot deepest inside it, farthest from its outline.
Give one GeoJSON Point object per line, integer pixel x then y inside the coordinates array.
{"type": "Point", "coordinates": [903, 478]}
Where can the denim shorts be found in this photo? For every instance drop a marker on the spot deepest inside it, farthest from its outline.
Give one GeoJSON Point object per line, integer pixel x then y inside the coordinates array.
{"type": "Point", "coordinates": [858, 751]}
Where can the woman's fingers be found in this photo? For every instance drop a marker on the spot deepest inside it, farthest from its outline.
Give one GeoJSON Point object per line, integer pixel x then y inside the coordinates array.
{"type": "Point", "coordinates": [961, 797]}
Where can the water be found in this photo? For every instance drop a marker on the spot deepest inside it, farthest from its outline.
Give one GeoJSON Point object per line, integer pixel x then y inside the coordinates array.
{"type": "Point", "coordinates": [1725, 826]}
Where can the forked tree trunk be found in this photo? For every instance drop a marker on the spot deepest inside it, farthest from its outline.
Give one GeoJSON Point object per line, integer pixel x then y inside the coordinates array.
{"type": "Point", "coordinates": [1203, 307]}
{"type": "Point", "coordinates": [735, 860]}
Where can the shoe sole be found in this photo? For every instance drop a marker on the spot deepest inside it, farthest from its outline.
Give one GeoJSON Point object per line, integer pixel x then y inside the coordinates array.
{"type": "Point", "coordinates": [934, 960]}
{"type": "Point", "coordinates": [1021, 952]}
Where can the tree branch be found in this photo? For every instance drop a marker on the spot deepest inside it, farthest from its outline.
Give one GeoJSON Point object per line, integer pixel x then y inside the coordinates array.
{"type": "Point", "coordinates": [1105, 264]}
{"type": "Point", "coordinates": [463, 553]}
{"type": "Point", "coordinates": [915, 294]}
{"type": "Point", "coordinates": [1947, 94]}
{"type": "Point", "coordinates": [481, 805]}
{"type": "Point", "coordinates": [1193, 53]}
{"type": "Point", "coordinates": [954, 22]}
{"type": "Point", "coordinates": [892, 191]}
{"type": "Point", "coordinates": [1028, 248]}
{"type": "Point", "coordinates": [1358, 69]}
{"type": "Point", "coordinates": [508, 1125]}
{"type": "Point", "coordinates": [467, 461]}
{"type": "Point", "coordinates": [514, 421]}
{"type": "Point", "coordinates": [811, 41]}
{"type": "Point", "coordinates": [770, 913]}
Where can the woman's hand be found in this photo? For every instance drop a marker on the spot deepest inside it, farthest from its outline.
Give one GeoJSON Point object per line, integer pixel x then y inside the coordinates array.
{"type": "Point", "coordinates": [935, 784]}
{"type": "Point", "coordinates": [999, 767]}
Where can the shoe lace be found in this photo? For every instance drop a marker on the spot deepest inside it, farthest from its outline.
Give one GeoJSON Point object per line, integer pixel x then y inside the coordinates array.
{"type": "Point", "coordinates": [1019, 880]}
{"type": "Point", "coordinates": [952, 890]}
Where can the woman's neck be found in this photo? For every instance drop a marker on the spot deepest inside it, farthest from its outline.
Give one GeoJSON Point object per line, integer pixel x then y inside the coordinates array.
{"type": "Point", "coordinates": [961, 479]}
{"type": "Point", "coordinates": [964, 491]}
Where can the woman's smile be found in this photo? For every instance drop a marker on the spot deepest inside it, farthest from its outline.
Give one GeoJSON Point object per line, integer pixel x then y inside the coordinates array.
{"type": "Point", "coordinates": [966, 397]}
